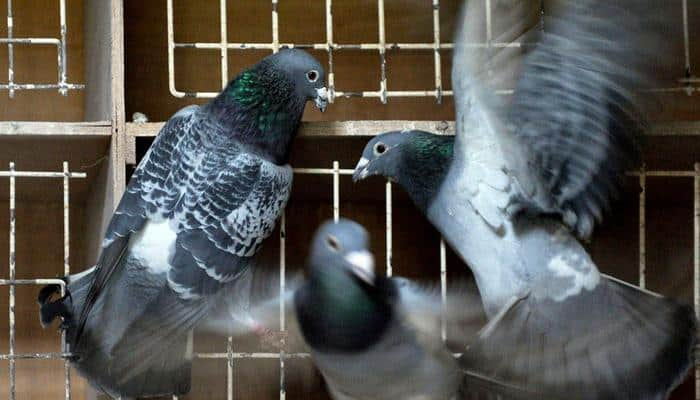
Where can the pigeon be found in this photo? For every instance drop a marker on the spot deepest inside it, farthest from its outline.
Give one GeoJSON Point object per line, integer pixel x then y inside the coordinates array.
{"type": "Point", "coordinates": [195, 213]}
{"type": "Point", "coordinates": [370, 336]}
{"type": "Point", "coordinates": [526, 177]}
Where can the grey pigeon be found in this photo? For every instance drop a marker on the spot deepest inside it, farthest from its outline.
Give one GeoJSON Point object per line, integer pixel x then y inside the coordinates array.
{"type": "Point", "coordinates": [526, 175]}
{"type": "Point", "coordinates": [373, 337]}
{"type": "Point", "coordinates": [197, 209]}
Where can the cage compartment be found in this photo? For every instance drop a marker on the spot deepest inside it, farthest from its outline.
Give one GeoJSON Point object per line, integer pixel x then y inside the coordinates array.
{"type": "Point", "coordinates": [40, 244]}
{"type": "Point", "coordinates": [55, 60]}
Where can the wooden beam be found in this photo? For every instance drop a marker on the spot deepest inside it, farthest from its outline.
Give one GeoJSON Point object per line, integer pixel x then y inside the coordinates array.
{"type": "Point", "coordinates": [99, 128]}
{"type": "Point", "coordinates": [371, 128]}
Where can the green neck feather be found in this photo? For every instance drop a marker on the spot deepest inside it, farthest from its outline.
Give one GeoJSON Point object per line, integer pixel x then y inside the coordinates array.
{"type": "Point", "coordinates": [424, 166]}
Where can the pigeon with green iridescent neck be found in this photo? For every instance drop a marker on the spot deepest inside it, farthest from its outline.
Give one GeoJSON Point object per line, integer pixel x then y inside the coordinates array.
{"type": "Point", "coordinates": [196, 211]}
{"type": "Point", "coordinates": [528, 174]}
{"type": "Point", "coordinates": [370, 336]}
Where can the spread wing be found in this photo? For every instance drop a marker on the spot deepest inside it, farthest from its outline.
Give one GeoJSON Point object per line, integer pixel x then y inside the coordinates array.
{"type": "Point", "coordinates": [564, 139]}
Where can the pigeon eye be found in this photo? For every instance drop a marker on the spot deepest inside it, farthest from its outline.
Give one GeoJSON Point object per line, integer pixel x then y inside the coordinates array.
{"type": "Point", "coordinates": [333, 243]}
{"type": "Point", "coordinates": [379, 148]}
{"type": "Point", "coordinates": [312, 76]}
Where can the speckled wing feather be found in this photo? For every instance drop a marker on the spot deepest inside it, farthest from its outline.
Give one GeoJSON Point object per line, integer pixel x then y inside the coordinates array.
{"type": "Point", "coordinates": [568, 134]}
{"type": "Point", "coordinates": [220, 201]}
{"type": "Point", "coordinates": [133, 210]}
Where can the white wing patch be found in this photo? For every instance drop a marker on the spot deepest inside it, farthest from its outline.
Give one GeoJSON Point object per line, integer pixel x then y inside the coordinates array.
{"type": "Point", "coordinates": [487, 181]}
{"type": "Point", "coordinates": [153, 245]}
{"type": "Point", "coordinates": [585, 275]}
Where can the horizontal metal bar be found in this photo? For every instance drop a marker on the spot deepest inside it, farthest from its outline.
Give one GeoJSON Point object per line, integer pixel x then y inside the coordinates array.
{"type": "Point", "coordinates": [35, 41]}
{"type": "Point", "coordinates": [41, 174]}
{"type": "Point", "coordinates": [42, 86]}
{"type": "Point", "coordinates": [35, 356]}
{"type": "Point", "coordinates": [5, 282]}
{"type": "Point", "coordinates": [667, 174]}
{"type": "Point", "coordinates": [322, 46]}
{"type": "Point", "coordinates": [240, 355]}
{"type": "Point", "coordinates": [323, 171]}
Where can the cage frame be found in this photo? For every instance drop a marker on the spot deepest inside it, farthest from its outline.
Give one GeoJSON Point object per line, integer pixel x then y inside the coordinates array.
{"type": "Point", "coordinates": [108, 120]}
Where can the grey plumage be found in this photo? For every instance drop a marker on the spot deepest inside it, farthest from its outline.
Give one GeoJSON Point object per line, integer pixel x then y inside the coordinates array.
{"type": "Point", "coordinates": [531, 172]}
{"type": "Point", "coordinates": [372, 337]}
{"type": "Point", "coordinates": [197, 209]}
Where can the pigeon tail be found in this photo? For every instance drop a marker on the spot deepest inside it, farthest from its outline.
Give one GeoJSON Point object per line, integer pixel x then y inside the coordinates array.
{"type": "Point", "coordinates": [132, 355]}
{"type": "Point", "coordinates": [614, 341]}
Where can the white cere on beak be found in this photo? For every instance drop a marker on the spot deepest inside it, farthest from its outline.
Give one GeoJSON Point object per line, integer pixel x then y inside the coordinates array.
{"type": "Point", "coordinates": [321, 98]}
{"type": "Point", "coordinates": [362, 265]}
{"type": "Point", "coordinates": [362, 163]}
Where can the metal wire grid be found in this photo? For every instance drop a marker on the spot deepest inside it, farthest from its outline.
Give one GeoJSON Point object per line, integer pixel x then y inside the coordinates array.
{"type": "Point", "coordinates": [62, 81]}
{"type": "Point", "coordinates": [335, 172]}
{"type": "Point", "coordinates": [687, 83]}
{"type": "Point", "coordinates": [12, 282]}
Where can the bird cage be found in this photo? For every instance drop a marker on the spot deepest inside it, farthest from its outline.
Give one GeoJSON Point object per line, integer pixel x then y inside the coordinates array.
{"type": "Point", "coordinates": [90, 84]}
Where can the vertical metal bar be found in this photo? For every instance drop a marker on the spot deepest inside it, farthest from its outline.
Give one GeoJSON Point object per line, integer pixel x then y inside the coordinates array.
{"type": "Point", "coordinates": [389, 223]}
{"type": "Point", "coordinates": [329, 49]}
{"type": "Point", "coordinates": [10, 52]}
{"type": "Point", "coordinates": [382, 50]}
{"type": "Point", "coordinates": [275, 28]}
{"type": "Point", "coordinates": [229, 368]}
{"type": "Point", "coordinates": [436, 51]}
{"type": "Point", "coordinates": [224, 43]}
{"type": "Point", "coordinates": [443, 289]}
{"type": "Point", "coordinates": [66, 264]}
{"type": "Point", "coordinates": [686, 39]}
{"type": "Point", "coordinates": [696, 264]}
{"type": "Point", "coordinates": [336, 190]}
{"type": "Point", "coordinates": [62, 60]}
{"type": "Point", "coordinates": [283, 266]}
{"type": "Point", "coordinates": [489, 30]}
{"type": "Point", "coordinates": [642, 228]}
{"type": "Point", "coordinates": [171, 47]}
{"type": "Point", "coordinates": [12, 260]}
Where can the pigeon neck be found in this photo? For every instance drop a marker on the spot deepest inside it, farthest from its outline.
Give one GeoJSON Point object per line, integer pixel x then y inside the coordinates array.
{"type": "Point", "coordinates": [261, 110]}
{"type": "Point", "coordinates": [340, 316]}
{"type": "Point", "coordinates": [423, 167]}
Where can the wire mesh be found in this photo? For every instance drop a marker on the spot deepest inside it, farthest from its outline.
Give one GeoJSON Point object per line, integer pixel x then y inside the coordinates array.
{"type": "Point", "coordinates": [12, 282]}
{"type": "Point", "coordinates": [335, 172]}
{"type": "Point", "coordinates": [686, 83]}
{"type": "Point", "coordinates": [62, 83]}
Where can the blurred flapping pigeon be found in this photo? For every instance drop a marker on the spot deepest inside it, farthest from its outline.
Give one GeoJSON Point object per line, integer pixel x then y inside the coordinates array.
{"type": "Point", "coordinates": [372, 337]}
{"type": "Point", "coordinates": [527, 175]}
{"type": "Point", "coordinates": [197, 209]}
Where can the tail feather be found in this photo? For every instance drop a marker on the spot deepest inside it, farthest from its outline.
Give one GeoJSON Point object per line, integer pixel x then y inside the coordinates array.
{"type": "Point", "coordinates": [616, 341]}
{"type": "Point", "coordinates": [136, 340]}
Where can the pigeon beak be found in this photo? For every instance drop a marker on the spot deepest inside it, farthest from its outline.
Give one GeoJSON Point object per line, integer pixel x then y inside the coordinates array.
{"type": "Point", "coordinates": [321, 99]}
{"type": "Point", "coordinates": [362, 263]}
{"type": "Point", "coordinates": [360, 170]}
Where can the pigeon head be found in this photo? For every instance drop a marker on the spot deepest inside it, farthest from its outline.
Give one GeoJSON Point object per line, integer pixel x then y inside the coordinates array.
{"type": "Point", "coordinates": [342, 247]}
{"type": "Point", "coordinates": [304, 72]}
{"type": "Point", "coordinates": [344, 306]}
{"type": "Point", "coordinates": [416, 160]}
{"type": "Point", "coordinates": [262, 107]}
